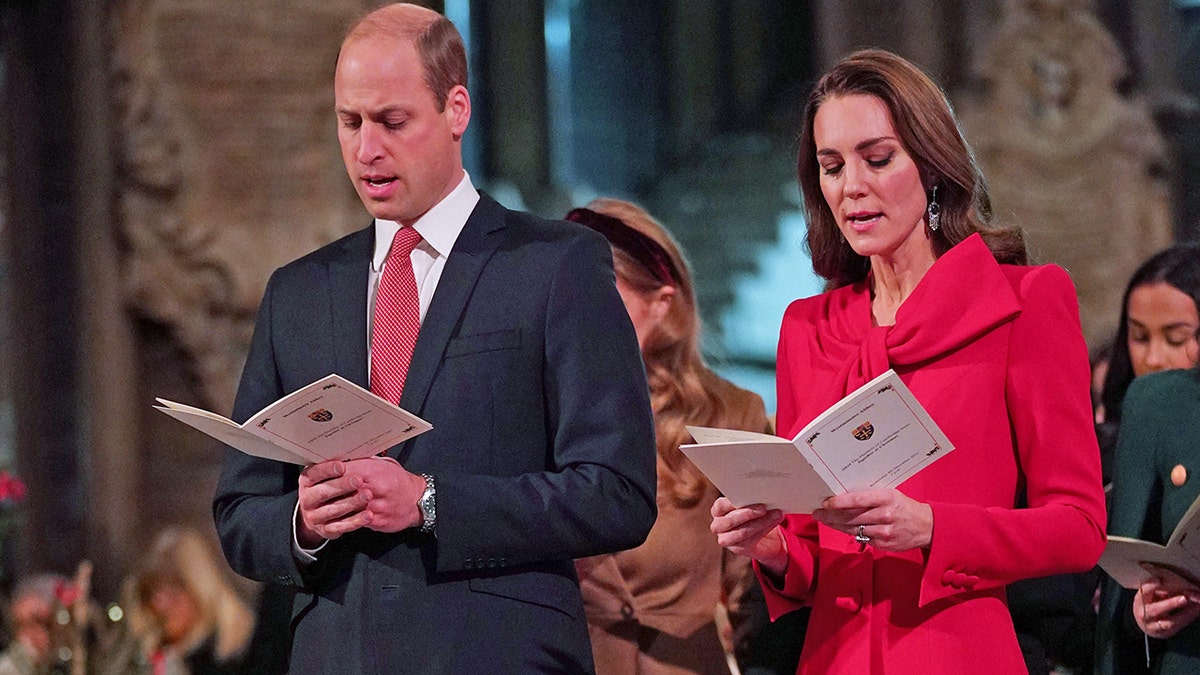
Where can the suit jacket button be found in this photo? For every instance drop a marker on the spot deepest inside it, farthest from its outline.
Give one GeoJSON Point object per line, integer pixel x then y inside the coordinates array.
{"type": "Point", "coordinates": [491, 563]}
{"type": "Point", "coordinates": [469, 564]}
{"type": "Point", "coordinates": [947, 578]}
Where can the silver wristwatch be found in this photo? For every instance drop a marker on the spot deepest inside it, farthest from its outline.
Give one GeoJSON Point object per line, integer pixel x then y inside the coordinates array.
{"type": "Point", "coordinates": [428, 504]}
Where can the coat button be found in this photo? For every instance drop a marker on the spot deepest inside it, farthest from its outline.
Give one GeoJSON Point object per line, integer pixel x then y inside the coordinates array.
{"type": "Point", "coordinates": [947, 578]}
{"type": "Point", "coordinates": [850, 603]}
{"type": "Point", "coordinates": [1179, 475]}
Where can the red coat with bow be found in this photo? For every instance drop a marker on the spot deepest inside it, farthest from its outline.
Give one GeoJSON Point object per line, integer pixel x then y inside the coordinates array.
{"type": "Point", "coordinates": [995, 353]}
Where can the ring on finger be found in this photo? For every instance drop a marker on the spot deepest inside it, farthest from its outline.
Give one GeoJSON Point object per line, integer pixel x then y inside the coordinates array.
{"type": "Point", "coordinates": [861, 537]}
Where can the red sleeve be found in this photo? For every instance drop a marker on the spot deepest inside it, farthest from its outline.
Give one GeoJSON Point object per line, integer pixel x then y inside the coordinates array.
{"type": "Point", "coordinates": [1049, 405]}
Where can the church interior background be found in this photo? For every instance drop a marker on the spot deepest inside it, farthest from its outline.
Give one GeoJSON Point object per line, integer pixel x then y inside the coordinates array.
{"type": "Point", "coordinates": [160, 158]}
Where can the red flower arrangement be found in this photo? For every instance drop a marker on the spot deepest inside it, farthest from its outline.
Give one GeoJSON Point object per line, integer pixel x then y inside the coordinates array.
{"type": "Point", "coordinates": [12, 490]}
{"type": "Point", "coordinates": [12, 493]}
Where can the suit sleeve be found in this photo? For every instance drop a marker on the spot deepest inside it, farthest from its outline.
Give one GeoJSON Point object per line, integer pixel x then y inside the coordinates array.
{"type": "Point", "coordinates": [1047, 394]}
{"type": "Point", "coordinates": [255, 498]}
{"type": "Point", "coordinates": [598, 493]}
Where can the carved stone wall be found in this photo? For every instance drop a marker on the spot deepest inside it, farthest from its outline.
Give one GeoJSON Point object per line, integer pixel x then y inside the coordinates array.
{"type": "Point", "coordinates": [225, 165]}
{"type": "Point", "coordinates": [1080, 167]}
{"type": "Point", "coordinates": [228, 162]}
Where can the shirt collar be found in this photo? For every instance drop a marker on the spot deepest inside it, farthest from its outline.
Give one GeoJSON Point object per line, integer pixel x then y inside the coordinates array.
{"type": "Point", "coordinates": [439, 227]}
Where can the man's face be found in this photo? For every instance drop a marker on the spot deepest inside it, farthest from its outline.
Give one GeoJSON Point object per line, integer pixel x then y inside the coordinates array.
{"type": "Point", "coordinates": [402, 154]}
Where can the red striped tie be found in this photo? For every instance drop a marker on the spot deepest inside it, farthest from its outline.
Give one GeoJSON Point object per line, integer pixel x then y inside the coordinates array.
{"type": "Point", "coordinates": [397, 319]}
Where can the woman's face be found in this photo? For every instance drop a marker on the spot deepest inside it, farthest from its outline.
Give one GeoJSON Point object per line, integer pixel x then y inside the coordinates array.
{"type": "Point", "coordinates": [646, 310]}
{"type": "Point", "coordinates": [1162, 322]}
{"type": "Point", "coordinates": [175, 609]}
{"type": "Point", "coordinates": [868, 179]}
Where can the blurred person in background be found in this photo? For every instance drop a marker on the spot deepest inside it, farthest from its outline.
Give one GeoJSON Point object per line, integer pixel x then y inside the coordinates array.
{"type": "Point", "coordinates": [1159, 315]}
{"type": "Point", "coordinates": [652, 609]}
{"type": "Point", "coordinates": [183, 616]}
{"type": "Point", "coordinates": [1152, 406]}
{"type": "Point", "coordinates": [31, 621]}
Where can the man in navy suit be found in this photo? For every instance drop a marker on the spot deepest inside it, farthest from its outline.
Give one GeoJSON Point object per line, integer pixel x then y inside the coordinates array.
{"type": "Point", "coordinates": [453, 552]}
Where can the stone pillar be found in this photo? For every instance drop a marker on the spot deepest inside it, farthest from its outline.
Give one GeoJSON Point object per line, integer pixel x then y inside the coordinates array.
{"type": "Point", "coordinates": [43, 209]}
{"type": "Point", "coordinates": [115, 399]}
{"type": "Point", "coordinates": [618, 94]}
{"type": "Point", "coordinates": [695, 99]}
{"type": "Point", "coordinates": [518, 141]}
{"type": "Point", "coordinates": [927, 32]}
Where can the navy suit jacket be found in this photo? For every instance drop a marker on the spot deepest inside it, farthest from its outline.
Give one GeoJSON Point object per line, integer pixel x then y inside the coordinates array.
{"type": "Point", "coordinates": [542, 446]}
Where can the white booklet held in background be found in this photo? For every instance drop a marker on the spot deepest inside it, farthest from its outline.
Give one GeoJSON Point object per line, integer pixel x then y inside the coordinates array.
{"type": "Point", "coordinates": [1127, 559]}
{"type": "Point", "coordinates": [332, 418]}
{"type": "Point", "coordinates": [876, 437]}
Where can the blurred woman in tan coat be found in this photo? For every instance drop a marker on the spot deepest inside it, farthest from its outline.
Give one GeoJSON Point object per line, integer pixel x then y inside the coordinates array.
{"type": "Point", "coordinates": [653, 609]}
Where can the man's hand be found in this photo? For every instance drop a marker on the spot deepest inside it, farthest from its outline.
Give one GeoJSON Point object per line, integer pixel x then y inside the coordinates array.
{"type": "Point", "coordinates": [392, 493]}
{"type": "Point", "coordinates": [332, 503]}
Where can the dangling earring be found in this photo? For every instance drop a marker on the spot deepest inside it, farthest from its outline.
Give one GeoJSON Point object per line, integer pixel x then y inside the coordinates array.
{"type": "Point", "coordinates": [933, 212]}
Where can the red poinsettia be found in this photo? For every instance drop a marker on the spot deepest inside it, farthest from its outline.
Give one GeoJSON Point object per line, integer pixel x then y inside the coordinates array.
{"type": "Point", "coordinates": [12, 489]}
{"type": "Point", "coordinates": [66, 593]}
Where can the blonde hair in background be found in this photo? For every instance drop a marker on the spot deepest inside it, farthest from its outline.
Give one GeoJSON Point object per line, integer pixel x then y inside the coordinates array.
{"type": "Point", "coordinates": [181, 556]}
{"type": "Point", "coordinates": [682, 386]}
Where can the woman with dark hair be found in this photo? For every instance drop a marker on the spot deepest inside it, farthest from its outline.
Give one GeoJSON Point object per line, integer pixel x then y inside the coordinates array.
{"type": "Point", "coordinates": [912, 580]}
{"type": "Point", "coordinates": [1159, 318]}
{"type": "Point", "coordinates": [652, 609]}
{"type": "Point", "coordinates": [1152, 403]}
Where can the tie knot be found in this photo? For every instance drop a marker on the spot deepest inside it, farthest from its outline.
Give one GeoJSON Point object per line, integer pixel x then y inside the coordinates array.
{"type": "Point", "coordinates": [404, 242]}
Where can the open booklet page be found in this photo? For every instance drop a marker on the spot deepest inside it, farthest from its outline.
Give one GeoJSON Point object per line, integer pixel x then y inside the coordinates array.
{"type": "Point", "coordinates": [1129, 560]}
{"type": "Point", "coordinates": [878, 436]}
{"type": "Point", "coordinates": [331, 418]}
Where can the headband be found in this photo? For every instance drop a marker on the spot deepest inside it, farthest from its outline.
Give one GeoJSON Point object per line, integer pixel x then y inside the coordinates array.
{"type": "Point", "coordinates": [640, 247]}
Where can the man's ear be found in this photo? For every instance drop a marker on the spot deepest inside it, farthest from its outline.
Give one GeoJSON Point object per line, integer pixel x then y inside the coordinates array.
{"type": "Point", "coordinates": [458, 110]}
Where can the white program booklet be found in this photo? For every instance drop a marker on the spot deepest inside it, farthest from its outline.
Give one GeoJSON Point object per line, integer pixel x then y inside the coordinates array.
{"type": "Point", "coordinates": [876, 437]}
{"type": "Point", "coordinates": [1128, 560]}
{"type": "Point", "coordinates": [332, 418]}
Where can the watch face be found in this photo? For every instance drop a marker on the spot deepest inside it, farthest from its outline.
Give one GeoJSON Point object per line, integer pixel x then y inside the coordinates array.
{"type": "Point", "coordinates": [428, 505]}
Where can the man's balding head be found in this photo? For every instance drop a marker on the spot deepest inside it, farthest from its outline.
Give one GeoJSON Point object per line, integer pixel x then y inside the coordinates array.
{"type": "Point", "coordinates": [437, 40]}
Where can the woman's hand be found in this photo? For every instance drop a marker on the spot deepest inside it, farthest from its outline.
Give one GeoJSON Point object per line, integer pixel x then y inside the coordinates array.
{"type": "Point", "coordinates": [751, 531]}
{"type": "Point", "coordinates": [1165, 604]}
{"type": "Point", "coordinates": [889, 520]}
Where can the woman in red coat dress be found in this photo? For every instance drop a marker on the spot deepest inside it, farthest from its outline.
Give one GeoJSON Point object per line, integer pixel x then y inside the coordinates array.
{"type": "Point", "coordinates": [911, 580]}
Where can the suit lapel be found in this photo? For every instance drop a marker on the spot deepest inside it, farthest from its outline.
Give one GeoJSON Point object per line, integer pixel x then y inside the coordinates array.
{"type": "Point", "coordinates": [475, 245]}
{"type": "Point", "coordinates": [348, 287]}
